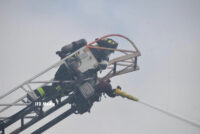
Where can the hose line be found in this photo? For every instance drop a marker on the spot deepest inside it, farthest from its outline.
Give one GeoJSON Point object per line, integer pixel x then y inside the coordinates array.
{"type": "Point", "coordinates": [179, 117]}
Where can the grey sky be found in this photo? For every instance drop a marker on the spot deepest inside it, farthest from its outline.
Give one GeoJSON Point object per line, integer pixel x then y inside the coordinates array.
{"type": "Point", "coordinates": [166, 32]}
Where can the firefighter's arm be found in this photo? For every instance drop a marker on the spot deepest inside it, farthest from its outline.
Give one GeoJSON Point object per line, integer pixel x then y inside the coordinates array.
{"type": "Point", "coordinates": [106, 87]}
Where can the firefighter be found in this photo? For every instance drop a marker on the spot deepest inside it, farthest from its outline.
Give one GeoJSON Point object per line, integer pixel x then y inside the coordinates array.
{"type": "Point", "coordinates": [64, 73]}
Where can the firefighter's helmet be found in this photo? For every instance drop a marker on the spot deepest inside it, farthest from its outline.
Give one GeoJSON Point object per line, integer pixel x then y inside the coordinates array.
{"type": "Point", "coordinates": [107, 43]}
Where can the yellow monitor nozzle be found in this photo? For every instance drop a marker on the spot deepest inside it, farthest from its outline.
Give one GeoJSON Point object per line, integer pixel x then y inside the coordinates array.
{"type": "Point", "coordinates": [125, 95]}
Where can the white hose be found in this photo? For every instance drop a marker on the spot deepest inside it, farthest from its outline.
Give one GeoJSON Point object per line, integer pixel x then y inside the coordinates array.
{"type": "Point", "coordinates": [179, 117]}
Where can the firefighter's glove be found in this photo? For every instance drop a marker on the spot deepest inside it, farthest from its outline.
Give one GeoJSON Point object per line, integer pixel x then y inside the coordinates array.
{"type": "Point", "coordinates": [105, 85]}
{"type": "Point", "coordinates": [60, 54]}
{"type": "Point", "coordinates": [103, 64]}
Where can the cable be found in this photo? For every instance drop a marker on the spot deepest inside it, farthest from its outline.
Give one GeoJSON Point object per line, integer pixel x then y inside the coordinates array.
{"type": "Point", "coordinates": [179, 117]}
